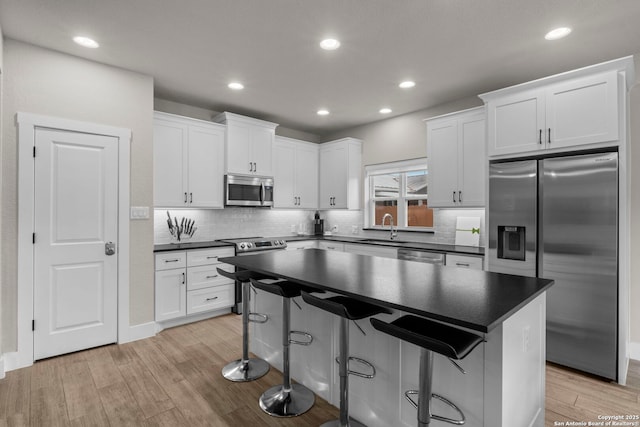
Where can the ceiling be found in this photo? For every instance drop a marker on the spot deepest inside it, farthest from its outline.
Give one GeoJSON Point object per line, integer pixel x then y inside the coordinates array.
{"type": "Point", "coordinates": [452, 49]}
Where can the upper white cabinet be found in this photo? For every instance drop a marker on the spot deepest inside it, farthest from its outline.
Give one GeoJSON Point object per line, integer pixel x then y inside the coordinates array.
{"type": "Point", "coordinates": [573, 110]}
{"type": "Point", "coordinates": [340, 174]}
{"type": "Point", "coordinates": [249, 144]}
{"type": "Point", "coordinates": [456, 159]}
{"type": "Point", "coordinates": [295, 172]}
{"type": "Point", "coordinates": [188, 161]}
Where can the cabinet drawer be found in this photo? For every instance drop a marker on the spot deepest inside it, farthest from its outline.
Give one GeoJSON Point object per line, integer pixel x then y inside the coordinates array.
{"type": "Point", "coordinates": [464, 261]}
{"type": "Point", "coordinates": [210, 298]}
{"type": "Point", "coordinates": [205, 276]}
{"type": "Point", "coordinates": [208, 256]}
{"type": "Point", "coordinates": [169, 260]}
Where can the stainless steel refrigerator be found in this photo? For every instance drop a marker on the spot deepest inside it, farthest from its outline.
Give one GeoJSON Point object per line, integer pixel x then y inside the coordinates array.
{"type": "Point", "coordinates": [557, 218]}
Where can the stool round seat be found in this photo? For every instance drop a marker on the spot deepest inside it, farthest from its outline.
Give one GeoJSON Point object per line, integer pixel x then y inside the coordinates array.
{"type": "Point", "coordinates": [283, 288]}
{"type": "Point", "coordinates": [451, 342]}
{"type": "Point", "coordinates": [243, 275]}
{"type": "Point", "coordinates": [345, 307]}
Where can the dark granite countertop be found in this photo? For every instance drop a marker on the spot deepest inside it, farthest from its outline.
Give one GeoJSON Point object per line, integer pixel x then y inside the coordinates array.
{"type": "Point", "coordinates": [185, 246]}
{"type": "Point", "coordinates": [474, 299]}
{"type": "Point", "coordinates": [435, 247]}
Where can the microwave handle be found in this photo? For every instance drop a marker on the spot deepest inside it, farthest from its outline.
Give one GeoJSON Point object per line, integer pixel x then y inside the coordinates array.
{"type": "Point", "coordinates": [262, 193]}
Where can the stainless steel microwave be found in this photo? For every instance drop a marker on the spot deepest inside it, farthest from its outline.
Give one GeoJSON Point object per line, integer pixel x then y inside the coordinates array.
{"type": "Point", "coordinates": [244, 190]}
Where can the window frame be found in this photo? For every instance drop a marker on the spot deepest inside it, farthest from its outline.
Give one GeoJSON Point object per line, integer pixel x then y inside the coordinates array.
{"type": "Point", "coordinates": [402, 168]}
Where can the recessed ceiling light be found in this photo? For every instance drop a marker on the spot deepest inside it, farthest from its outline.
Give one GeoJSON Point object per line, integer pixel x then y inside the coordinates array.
{"type": "Point", "coordinates": [323, 112]}
{"type": "Point", "coordinates": [557, 33]}
{"type": "Point", "coordinates": [330, 44]}
{"type": "Point", "coordinates": [235, 86]}
{"type": "Point", "coordinates": [407, 84]}
{"type": "Point", "coordinates": [385, 110]}
{"type": "Point", "coordinates": [86, 42]}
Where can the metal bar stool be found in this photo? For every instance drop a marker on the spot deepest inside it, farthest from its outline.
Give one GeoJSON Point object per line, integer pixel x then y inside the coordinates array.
{"type": "Point", "coordinates": [347, 309]}
{"type": "Point", "coordinates": [246, 369]}
{"type": "Point", "coordinates": [286, 399]}
{"type": "Point", "coordinates": [432, 337]}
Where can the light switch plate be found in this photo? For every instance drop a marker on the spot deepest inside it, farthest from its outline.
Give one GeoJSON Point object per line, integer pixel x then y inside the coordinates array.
{"type": "Point", "coordinates": [139, 212]}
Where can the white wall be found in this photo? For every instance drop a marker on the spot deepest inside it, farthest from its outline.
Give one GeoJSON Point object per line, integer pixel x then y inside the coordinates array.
{"type": "Point", "coordinates": [2, 320]}
{"type": "Point", "coordinates": [42, 81]}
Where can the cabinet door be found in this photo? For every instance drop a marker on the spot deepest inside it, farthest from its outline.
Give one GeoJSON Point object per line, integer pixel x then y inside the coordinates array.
{"type": "Point", "coordinates": [442, 147]}
{"type": "Point", "coordinates": [333, 177]}
{"type": "Point", "coordinates": [261, 150]}
{"type": "Point", "coordinates": [328, 245]}
{"type": "Point", "coordinates": [464, 261]}
{"type": "Point", "coordinates": [284, 158]}
{"type": "Point", "coordinates": [472, 161]}
{"type": "Point", "coordinates": [169, 164]}
{"type": "Point", "coordinates": [171, 294]}
{"type": "Point", "coordinates": [583, 111]}
{"type": "Point", "coordinates": [306, 176]}
{"type": "Point", "coordinates": [516, 123]}
{"type": "Point", "coordinates": [373, 250]}
{"type": "Point", "coordinates": [206, 167]}
{"type": "Point", "coordinates": [238, 148]}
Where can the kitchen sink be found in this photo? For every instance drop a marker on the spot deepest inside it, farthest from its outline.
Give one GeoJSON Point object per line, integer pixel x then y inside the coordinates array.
{"type": "Point", "coordinates": [382, 242]}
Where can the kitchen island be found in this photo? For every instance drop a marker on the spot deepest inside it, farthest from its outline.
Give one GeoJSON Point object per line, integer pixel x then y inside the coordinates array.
{"type": "Point", "coordinates": [504, 384]}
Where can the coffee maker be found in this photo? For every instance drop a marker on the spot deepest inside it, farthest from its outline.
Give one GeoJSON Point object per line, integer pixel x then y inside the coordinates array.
{"type": "Point", "coordinates": [318, 225]}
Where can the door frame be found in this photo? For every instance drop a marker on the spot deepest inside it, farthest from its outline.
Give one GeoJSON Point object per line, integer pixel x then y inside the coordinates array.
{"type": "Point", "coordinates": [27, 125]}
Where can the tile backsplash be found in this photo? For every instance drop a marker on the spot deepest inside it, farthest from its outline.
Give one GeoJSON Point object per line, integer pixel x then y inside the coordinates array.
{"type": "Point", "coordinates": [214, 224]}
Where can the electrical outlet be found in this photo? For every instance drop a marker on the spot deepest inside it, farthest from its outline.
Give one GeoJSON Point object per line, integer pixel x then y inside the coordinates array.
{"type": "Point", "coordinates": [525, 339]}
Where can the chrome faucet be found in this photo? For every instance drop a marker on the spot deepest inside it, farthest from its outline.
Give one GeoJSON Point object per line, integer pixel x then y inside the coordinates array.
{"type": "Point", "coordinates": [394, 234]}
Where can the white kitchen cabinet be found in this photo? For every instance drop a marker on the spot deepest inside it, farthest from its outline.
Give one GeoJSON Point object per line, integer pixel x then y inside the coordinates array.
{"type": "Point", "coordinates": [456, 159]}
{"type": "Point", "coordinates": [301, 245]}
{"type": "Point", "coordinates": [329, 245]}
{"type": "Point", "coordinates": [249, 144]}
{"type": "Point", "coordinates": [570, 110]}
{"type": "Point", "coordinates": [295, 172]}
{"type": "Point", "coordinates": [188, 282]}
{"type": "Point", "coordinates": [374, 250]}
{"type": "Point", "coordinates": [188, 162]}
{"type": "Point", "coordinates": [464, 261]}
{"type": "Point", "coordinates": [340, 174]}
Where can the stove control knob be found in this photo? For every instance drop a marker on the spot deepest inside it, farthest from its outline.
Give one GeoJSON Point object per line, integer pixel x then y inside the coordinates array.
{"type": "Point", "coordinates": [242, 245]}
{"type": "Point", "coordinates": [276, 242]}
{"type": "Point", "coordinates": [282, 242]}
{"type": "Point", "coordinates": [249, 245]}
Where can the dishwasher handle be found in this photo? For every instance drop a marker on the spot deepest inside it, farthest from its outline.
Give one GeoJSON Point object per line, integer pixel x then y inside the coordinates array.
{"type": "Point", "coordinates": [421, 256]}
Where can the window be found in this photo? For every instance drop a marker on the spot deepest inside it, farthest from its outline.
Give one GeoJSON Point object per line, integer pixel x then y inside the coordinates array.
{"type": "Point", "coordinates": [399, 189]}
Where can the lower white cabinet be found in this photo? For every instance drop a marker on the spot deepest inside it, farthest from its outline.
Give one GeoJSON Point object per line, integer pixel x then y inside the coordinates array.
{"type": "Point", "coordinates": [330, 245]}
{"type": "Point", "coordinates": [374, 250]}
{"type": "Point", "coordinates": [303, 244]}
{"type": "Point", "coordinates": [464, 261]}
{"type": "Point", "coordinates": [188, 282]}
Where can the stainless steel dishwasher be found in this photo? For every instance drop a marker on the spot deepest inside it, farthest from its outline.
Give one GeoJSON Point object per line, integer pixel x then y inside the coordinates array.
{"type": "Point", "coordinates": [421, 256]}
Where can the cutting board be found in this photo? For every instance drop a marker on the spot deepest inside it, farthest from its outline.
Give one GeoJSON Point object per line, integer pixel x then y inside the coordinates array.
{"type": "Point", "coordinates": [467, 231]}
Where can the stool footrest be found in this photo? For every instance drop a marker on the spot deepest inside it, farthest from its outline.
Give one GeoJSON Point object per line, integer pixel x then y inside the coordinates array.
{"type": "Point", "coordinates": [360, 374]}
{"type": "Point", "coordinates": [461, 421]}
{"type": "Point", "coordinates": [261, 318]}
{"type": "Point", "coordinates": [305, 334]}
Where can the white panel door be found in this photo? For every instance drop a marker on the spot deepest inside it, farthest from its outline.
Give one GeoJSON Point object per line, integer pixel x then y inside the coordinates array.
{"type": "Point", "coordinates": [76, 208]}
{"type": "Point", "coordinates": [206, 167]}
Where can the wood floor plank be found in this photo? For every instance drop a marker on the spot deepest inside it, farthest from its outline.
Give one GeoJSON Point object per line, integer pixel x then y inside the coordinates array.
{"type": "Point", "coordinates": [162, 369]}
{"type": "Point", "coordinates": [15, 391]}
{"type": "Point", "coordinates": [171, 418]}
{"type": "Point", "coordinates": [120, 406]}
{"type": "Point", "coordinates": [150, 396]}
{"type": "Point", "coordinates": [102, 367]}
{"type": "Point", "coordinates": [82, 399]}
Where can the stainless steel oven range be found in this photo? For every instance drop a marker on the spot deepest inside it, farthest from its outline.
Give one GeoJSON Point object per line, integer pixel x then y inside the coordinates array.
{"type": "Point", "coordinates": [248, 246]}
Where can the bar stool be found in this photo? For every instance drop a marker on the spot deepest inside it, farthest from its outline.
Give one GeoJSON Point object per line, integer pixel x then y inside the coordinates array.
{"type": "Point", "coordinates": [246, 369]}
{"type": "Point", "coordinates": [347, 309]}
{"type": "Point", "coordinates": [432, 337]}
{"type": "Point", "coordinates": [286, 399]}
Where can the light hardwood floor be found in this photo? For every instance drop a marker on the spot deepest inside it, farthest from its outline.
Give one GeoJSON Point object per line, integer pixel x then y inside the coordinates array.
{"type": "Point", "coordinates": [173, 379]}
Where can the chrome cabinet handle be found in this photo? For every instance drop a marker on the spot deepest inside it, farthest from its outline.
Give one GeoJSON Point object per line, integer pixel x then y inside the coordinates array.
{"type": "Point", "coordinates": [184, 278]}
{"type": "Point", "coordinates": [255, 167]}
{"type": "Point", "coordinates": [211, 277]}
{"type": "Point", "coordinates": [463, 264]}
{"type": "Point", "coordinates": [540, 137]}
{"type": "Point", "coordinates": [460, 196]}
{"type": "Point", "coordinates": [549, 136]}
{"type": "Point", "coordinates": [250, 166]}
{"type": "Point", "coordinates": [212, 257]}
{"type": "Point", "coordinates": [185, 197]}
{"type": "Point", "coordinates": [211, 299]}
{"type": "Point", "coordinates": [454, 197]}
{"type": "Point", "coordinates": [191, 197]}
{"type": "Point", "coordinates": [171, 260]}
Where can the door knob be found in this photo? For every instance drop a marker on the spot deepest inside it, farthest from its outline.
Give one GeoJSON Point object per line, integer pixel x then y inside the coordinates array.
{"type": "Point", "coordinates": [109, 248]}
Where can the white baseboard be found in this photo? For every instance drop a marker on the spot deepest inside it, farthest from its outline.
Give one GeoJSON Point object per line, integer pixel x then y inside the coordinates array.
{"type": "Point", "coordinates": [138, 332]}
{"type": "Point", "coordinates": [634, 350]}
{"type": "Point", "coordinates": [190, 319]}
